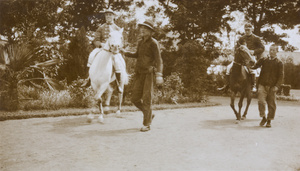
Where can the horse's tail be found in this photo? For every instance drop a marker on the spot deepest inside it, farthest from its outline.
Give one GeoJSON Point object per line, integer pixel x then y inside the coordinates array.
{"type": "Point", "coordinates": [125, 77]}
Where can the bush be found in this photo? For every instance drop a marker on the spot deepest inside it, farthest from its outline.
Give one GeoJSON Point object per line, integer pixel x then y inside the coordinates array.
{"type": "Point", "coordinates": [192, 65]}
{"type": "Point", "coordinates": [171, 92]}
{"type": "Point", "coordinates": [29, 92]}
{"type": "Point", "coordinates": [81, 96]}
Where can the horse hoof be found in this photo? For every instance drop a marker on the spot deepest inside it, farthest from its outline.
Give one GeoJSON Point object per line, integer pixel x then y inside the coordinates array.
{"type": "Point", "coordinates": [90, 118]}
{"type": "Point", "coordinates": [237, 122]}
{"type": "Point", "coordinates": [118, 112]}
{"type": "Point", "coordinates": [100, 119]}
{"type": "Point", "coordinates": [243, 118]}
{"type": "Point", "coordinates": [106, 108]}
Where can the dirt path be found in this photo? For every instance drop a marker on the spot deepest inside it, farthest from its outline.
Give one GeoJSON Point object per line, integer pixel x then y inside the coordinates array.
{"type": "Point", "coordinates": [180, 139]}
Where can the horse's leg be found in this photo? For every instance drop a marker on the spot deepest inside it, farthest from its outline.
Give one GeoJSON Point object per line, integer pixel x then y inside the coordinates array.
{"type": "Point", "coordinates": [249, 98]}
{"type": "Point", "coordinates": [108, 98]}
{"type": "Point", "coordinates": [232, 97]}
{"type": "Point", "coordinates": [98, 95]}
{"type": "Point", "coordinates": [120, 95]}
{"type": "Point", "coordinates": [100, 118]}
{"type": "Point", "coordinates": [241, 104]}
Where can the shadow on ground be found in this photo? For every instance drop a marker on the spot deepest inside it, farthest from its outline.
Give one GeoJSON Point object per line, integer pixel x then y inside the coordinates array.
{"type": "Point", "coordinates": [231, 123]}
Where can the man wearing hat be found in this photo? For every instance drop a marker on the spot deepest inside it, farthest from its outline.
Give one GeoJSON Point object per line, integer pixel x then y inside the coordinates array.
{"type": "Point", "coordinates": [149, 64]}
{"type": "Point", "coordinates": [101, 36]}
{"type": "Point", "coordinates": [256, 47]}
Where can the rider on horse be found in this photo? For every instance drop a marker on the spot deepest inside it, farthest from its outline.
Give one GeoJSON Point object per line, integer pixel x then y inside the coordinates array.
{"type": "Point", "coordinates": [256, 47]}
{"type": "Point", "coordinates": [101, 36]}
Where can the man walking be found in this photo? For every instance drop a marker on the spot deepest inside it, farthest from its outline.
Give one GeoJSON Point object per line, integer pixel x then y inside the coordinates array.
{"type": "Point", "coordinates": [269, 81]}
{"type": "Point", "coordinates": [149, 63]}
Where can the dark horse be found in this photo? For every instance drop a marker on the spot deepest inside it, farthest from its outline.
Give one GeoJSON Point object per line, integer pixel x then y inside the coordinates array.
{"type": "Point", "coordinates": [240, 80]}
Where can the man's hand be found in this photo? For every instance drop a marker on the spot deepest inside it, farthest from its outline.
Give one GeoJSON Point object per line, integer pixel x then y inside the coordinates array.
{"type": "Point", "coordinates": [97, 44]}
{"type": "Point", "coordinates": [252, 52]}
{"type": "Point", "coordinates": [159, 78]}
{"type": "Point", "coordinates": [122, 50]}
{"type": "Point", "coordinates": [275, 88]}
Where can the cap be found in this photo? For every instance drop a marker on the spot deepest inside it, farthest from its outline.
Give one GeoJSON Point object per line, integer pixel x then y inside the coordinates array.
{"type": "Point", "coordinates": [248, 26]}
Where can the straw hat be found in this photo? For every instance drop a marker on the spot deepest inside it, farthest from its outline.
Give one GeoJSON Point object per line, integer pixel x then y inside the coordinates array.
{"type": "Point", "coordinates": [148, 24]}
{"type": "Point", "coordinates": [109, 10]}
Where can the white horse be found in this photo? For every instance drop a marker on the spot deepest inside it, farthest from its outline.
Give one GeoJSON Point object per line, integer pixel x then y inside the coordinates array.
{"type": "Point", "coordinates": [102, 74]}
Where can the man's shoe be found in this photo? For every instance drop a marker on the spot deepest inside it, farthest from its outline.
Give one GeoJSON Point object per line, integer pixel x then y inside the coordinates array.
{"type": "Point", "coordinates": [145, 128]}
{"type": "Point", "coordinates": [268, 124]}
{"type": "Point", "coordinates": [263, 121]}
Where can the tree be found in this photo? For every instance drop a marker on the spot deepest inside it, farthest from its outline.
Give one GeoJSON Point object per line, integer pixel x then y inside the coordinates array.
{"type": "Point", "coordinates": [76, 57]}
{"type": "Point", "coordinates": [19, 63]}
{"type": "Point", "coordinates": [195, 19]}
{"type": "Point", "coordinates": [267, 13]}
{"type": "Point", "coordinates": [192, 64]}
{"type": "Point", "coordinates": [23, 19]}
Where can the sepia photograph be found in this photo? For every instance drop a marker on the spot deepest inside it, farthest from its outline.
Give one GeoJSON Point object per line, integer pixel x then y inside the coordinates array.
{"type": "Point", "coordinates": [149, 85]}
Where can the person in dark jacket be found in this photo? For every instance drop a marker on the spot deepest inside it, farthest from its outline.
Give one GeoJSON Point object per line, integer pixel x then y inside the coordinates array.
{"type": "Point", "coordinates": [149, 64]}
{"type": "Point", "coordinates": [256, 47]}
{"type": "Point", "coordinates": [269, 81]}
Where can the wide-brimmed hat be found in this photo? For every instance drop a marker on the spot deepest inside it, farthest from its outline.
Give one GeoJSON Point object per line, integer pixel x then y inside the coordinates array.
{"type": "Point", "coordinates": [149, 24]}
{"type": "Point", "coordinates": [109, 11]}
{"type": "Point", "coordinates": [248, 26]}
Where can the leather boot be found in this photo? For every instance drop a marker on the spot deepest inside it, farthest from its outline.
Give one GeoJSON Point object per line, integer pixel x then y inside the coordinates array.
{"type": "Point", "coordinates": [253, 82]}
{"type": "Point", "coordinates": [118, 80]}
{"type": "Point", "coordinates": [226, 86]}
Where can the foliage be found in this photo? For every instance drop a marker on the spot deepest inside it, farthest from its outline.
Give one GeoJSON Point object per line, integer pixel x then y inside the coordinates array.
{"type": "Point", "coordinates": [193, 23]}
{"type": "Point", "coordinates": [292, 74]}
{"type": "Point", "coordinates": [194, 19]}
{"type": "Point", "coordinates": [29, 92]}
{"type": "Point", "coordinates": [192, 66]}
{"type": "Point", "coordinates": [266, 13]}
{"type": "Point", "coordinates": [28, 19]}
{"type": "Point", "coordinates": [171, 91]}
{"type": "Point", "coordinates": [20, 62]}
{"type": "Point", "coordinates": [81, 97]}
{"type": "Point", "coordinates": [76, 57]}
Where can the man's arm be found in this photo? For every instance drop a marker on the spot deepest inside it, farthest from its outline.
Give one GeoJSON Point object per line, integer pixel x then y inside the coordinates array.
{"type": "Point", "coordinates": [98, 37]}
{"type": "Point", "coordinates": [280, 75]}
{"type": "Point", "coordinates": [130, 54]}
{"type": "Point", "coordinates": [159, 63]}
{"type": "Point", "coordinates": [158, 59]}
{"type": "Point", "coordinates": [259, 47]}
{"type": "Point", "coordinates": [258, 63]}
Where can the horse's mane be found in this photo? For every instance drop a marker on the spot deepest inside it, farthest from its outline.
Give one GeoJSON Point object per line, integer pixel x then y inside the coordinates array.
{"type": "Point", "coordinates": [116, 38]}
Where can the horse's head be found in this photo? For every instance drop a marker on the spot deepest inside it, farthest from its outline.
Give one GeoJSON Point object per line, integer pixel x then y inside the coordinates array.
{"type": "Point", "coordinates": [115, 41]}
{"type": "Point", "coordinates": [244, 56]}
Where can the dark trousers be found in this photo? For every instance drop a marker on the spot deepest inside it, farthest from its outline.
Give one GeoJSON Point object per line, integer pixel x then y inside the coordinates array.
{"type": "Point", "coordinates": [266, 97]}
{"type": "Point", "coordinates": [142, 94]}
